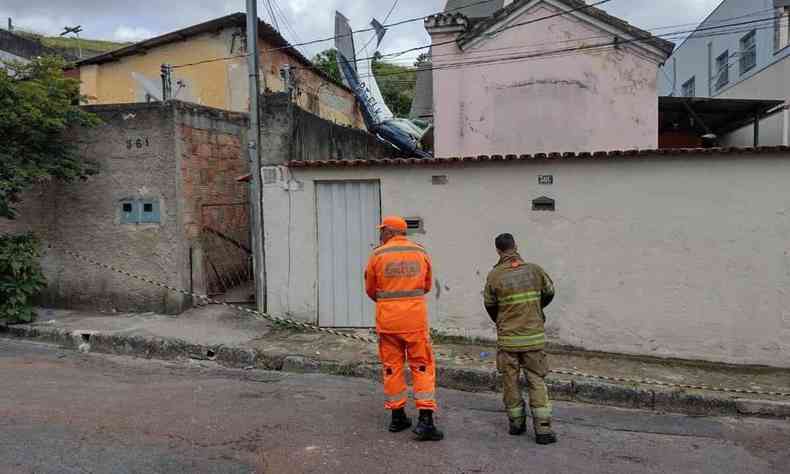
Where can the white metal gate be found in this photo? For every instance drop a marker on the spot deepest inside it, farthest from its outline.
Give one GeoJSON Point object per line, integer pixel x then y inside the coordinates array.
{"type": "Point", "coordinates": [348, 213]}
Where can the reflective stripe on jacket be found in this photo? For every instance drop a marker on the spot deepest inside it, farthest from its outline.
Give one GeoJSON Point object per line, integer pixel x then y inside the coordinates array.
{"type": "Point", "coordinates": [397, 278]}
{"type": "Point", "coordinates": [515, 289]}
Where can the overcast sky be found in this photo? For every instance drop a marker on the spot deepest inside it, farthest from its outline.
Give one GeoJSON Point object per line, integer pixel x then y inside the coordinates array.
{"type": "Point", "coordinates": [133, 20]}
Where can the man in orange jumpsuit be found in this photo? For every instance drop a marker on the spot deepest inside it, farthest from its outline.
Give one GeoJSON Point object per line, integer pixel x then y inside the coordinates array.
{"type": "Point", "coordinates": [397, 278]}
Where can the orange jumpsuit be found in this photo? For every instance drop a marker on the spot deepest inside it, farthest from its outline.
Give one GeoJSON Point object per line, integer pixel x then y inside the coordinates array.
{"type": "Point", "coordinates": [397, 278]}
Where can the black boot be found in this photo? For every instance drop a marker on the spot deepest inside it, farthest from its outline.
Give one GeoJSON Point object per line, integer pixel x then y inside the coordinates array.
{"type": "Point", "coordinates": [426, 430]}
{"type": "Point", "coordinates": [518, 426]}
{"type": "Point", "coordinates": [399, 421]}
{"type": "Point", "coordinates": [543, 431]}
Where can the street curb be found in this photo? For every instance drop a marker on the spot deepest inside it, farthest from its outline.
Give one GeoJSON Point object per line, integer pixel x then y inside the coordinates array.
{"type": "Point", "coordinates": [474, 380]}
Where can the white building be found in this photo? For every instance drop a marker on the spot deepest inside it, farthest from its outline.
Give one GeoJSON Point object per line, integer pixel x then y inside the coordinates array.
{"type": "Point", "coordinates": [740, 51]}
{"type": "Point", "coordinates": [672, 253]}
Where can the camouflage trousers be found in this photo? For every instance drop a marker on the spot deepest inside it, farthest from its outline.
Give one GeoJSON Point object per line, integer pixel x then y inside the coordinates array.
{"type": "Point", "coordinates": [535, 368]}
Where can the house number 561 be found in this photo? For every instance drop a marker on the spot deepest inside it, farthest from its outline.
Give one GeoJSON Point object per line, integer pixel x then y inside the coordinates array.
{"type": "Point", "coordinates": [137, 143]}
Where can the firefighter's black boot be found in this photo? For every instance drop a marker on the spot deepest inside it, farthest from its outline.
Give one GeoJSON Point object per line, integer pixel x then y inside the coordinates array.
{"type": "Point", "coordinates": [426, 430]}
{"type": "Point", "coordinates": [543, 431]}
{"type": "Point", "coordinates": [518, 426]}
{"type": "Point", "coordinates": [399, 421]}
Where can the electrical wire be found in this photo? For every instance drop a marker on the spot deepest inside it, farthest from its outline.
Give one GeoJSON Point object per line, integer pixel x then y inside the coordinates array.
{"type": "Point", "coordinates": [487, 51]}
{"type": "Point", "coordinates": [281, 12]}
{"type": "Point", "coordinates": [375, 34]}
{"type": "Point", "coordinates": [332, 38]}
{"type": "Point", "coordinates": [272, 16]}
{"type": "Point", "coordinates": [565, 51]}
{"type": "Point", "coordinates": [505, 59]}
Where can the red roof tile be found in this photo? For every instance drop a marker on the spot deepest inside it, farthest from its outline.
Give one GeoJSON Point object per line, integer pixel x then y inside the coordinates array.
{"type": "Point", "coordinates": [538, 157]}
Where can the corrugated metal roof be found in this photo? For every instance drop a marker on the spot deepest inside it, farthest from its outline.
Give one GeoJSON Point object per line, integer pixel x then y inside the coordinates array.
{"type": "Point", "coordinates": [538, 157]}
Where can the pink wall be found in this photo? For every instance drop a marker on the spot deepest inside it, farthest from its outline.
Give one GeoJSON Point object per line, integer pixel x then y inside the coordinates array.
{"type": "Point", "coordinates": [603, 100]}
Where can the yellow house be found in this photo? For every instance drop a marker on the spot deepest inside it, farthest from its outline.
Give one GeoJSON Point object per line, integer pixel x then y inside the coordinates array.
{"type": "Point", "coordinates": [209, 67]}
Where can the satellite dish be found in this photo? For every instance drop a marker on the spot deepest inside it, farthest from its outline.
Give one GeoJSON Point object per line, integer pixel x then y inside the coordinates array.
{"type": "Point", "coordinates": [152, 88]}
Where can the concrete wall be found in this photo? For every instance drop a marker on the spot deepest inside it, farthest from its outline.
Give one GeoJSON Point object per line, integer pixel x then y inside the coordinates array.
{"type": "Point", "coordinates": [601, 100]}
{"type": "Point", "coordinates": [218, 84]}
{"type": "Point", "coordinates": [5, 56]}
{"type": "Point", "coordinates": [665, 256]}
{"type": "Point", "coordinates": [17, 48]}
{"type": "Point", "coordinates": [179, 155]}
{"type": "Point", "coordinates": [134, 149]}
{"type": "Point", "coordinates": [289, 133]}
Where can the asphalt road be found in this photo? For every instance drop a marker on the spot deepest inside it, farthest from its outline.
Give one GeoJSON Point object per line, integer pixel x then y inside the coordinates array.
{"type": "Point", "coordinates": [65, 412]}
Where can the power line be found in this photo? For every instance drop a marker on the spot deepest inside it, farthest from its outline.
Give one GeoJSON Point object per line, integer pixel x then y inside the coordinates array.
{"type": "Point", "coordinates": [534, 20]}
{"type": "Point", "coordinates": [272, 16]}
{"type": "Point", "coordinates": [279, 10]}
{"type": "Point", "coordinates": [487, 51]}
{"type": "Point", "coordinates": [332, 38]}
{"type": "Point", "coordinates": [578, 49]}
{"type": "Point", "coordinates": [677, 33]}
{"type": "Point", "coordinates": [375, 34]}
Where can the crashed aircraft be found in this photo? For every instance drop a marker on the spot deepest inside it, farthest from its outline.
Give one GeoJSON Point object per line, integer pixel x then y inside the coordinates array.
{"type": "Point", "coordinates": [356, 69]}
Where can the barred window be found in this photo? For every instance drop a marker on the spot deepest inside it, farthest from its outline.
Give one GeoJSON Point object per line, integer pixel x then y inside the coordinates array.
{"type": "Point", "coordinates": [723, 69]}
{"type": "Point", "coordinates": [782, 29]}
{"type": "Point", "coordinates": [748, 58]}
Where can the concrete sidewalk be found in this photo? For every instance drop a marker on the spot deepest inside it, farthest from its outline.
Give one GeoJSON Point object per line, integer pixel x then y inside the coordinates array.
{"type": "Point", "coordinates": [236, 340]}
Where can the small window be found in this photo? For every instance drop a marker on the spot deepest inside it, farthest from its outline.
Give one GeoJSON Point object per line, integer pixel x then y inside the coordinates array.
{"type": "Point", "coordinates": [689, 87]}
{"type": "Point", "coordinates": [748, 58]}
{"type": "Point", "coordinates": [414, 225]}
{"type": "Point", "coordinates": [140, 211]}
{"type": "Point", "coordinates": [150, 212]}
{"type": "Point", "coordinates": [439, 180]}
{"type": "Point", "coordinates": [128, 212]}
{"type": "Point", "coordinates": [543, 203]}
{"type": "Point", "coordinates": [782, 28]}
{"type": "Point", "coordinates": [723, 69]}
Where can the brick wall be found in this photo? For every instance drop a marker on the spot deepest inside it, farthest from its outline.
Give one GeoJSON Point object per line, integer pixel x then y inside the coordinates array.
{"type": "Point", "coordinates": [215, 212]}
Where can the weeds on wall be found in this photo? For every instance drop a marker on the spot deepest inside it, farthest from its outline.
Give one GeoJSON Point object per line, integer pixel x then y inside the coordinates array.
{"type": "Point", "coordinates": [21, 277]}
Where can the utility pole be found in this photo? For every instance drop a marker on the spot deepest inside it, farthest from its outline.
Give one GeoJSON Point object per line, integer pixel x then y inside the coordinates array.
{"type": "Point", "coordinates": [253, 138]}
{"type": "Point", "coordinates": [167, 82]}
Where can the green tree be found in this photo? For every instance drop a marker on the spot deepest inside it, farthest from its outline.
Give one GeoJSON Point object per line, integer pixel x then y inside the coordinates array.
{"type": "Point", "coordinates": [38, 105]}
{"type": "Point", "coordinates": [397, 83]}
{"type": "Point", "coordinates": [327, 61]}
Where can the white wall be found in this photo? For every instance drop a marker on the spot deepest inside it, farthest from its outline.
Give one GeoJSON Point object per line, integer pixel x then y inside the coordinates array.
{"type": "Point", "coordinates": [678, 257]}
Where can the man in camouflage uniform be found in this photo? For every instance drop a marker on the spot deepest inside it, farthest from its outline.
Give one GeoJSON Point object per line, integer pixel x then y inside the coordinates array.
{"type": "Point", "coordinates": [515, 294]}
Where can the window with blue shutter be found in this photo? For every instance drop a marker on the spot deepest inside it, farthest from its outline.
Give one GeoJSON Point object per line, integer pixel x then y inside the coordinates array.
{"type": "Point", "coordinates": [140, 211]}
{"type": "Point", "coordinates": [129, 212]}
{"type": "Point", "coordinates": [149, 211]}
